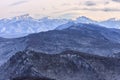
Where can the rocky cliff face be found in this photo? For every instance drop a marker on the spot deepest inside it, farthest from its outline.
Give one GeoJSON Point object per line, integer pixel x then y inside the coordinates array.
{"type": "Point", "coordinates": [69, 65]}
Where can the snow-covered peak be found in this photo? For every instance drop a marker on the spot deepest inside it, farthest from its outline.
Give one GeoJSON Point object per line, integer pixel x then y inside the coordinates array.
{"type": "Point", "coordinates": [84, 19]}
{"type": "Point", "coordinates": [23, 17]}
{"type": "Point", "coordinates": [25, 24]}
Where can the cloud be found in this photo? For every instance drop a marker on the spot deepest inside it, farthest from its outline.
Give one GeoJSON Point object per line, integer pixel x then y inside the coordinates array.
{"type": "Point", "coordinates": [67, 16]}
{"type": "Point", "coordinates": [17, 12]}
{"type": "Point", "coordinates": [101, 9]}
{"type": "Point", "coordinates": [111, 10]}
{"type": "Point", "coordinates": [19, 3]}
{"type": "Point", "coordinates": [89, 9]}
{"type": "Point", "coordinates": [105, 9]}
{"type": "Point", "coordinates": [116, 0]}
{"type": "Point", "coordinates": [106, 3]}
{"type": "Point", "coordinates": [43, 9]}
{"type": "Point", "coordinates": [66, 4]}
{"type": "Point", "coordinates": [90, 3]}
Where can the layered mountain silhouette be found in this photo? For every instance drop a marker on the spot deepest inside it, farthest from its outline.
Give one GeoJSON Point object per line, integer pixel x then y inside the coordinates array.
{"type": "Point", "coordinates": [88, 38]}
{"type": "Point", "coordinates": [80, 49]}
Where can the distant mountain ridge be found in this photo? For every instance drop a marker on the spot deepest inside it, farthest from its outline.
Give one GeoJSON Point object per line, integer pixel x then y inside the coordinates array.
{"type": "Point", "coordinates": [111, 23]}
{"type": "Point", "coordinates": [23, 25]}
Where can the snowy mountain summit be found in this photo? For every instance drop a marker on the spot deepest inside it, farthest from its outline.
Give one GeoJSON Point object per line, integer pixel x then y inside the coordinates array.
{"type": "Point", "coordinates": [23, 25]}
{"type": "Point", "coordinates": [84, 19]}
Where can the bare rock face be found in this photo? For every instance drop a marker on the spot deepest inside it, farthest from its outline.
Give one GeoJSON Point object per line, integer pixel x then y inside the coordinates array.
{"type": "Point", "coordinates": [68, 65]}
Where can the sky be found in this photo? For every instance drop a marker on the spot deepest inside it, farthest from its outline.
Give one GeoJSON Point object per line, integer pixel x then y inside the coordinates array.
{"type": "Point", "coordinates": [94, 9]}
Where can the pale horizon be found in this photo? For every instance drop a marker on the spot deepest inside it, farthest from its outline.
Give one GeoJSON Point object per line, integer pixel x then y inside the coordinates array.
{"type": "Point", "coordinates": [93, 9]}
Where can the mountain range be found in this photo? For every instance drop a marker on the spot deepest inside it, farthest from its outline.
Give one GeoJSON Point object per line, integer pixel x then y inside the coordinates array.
{"type": "Point", "coordinates": [23, 25]}
{"type": "Point", "coordinates": [59, 49]}
{"type": "Point", "coordinates": [88, 38]}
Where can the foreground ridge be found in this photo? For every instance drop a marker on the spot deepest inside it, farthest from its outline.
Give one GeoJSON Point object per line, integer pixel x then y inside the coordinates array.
{"type": "Point", "coordinates": [68, 65]}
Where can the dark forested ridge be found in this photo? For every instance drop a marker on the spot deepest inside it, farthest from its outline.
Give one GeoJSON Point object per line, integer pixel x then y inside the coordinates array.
{"type": "Point", "coordinates": [68, 65]}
